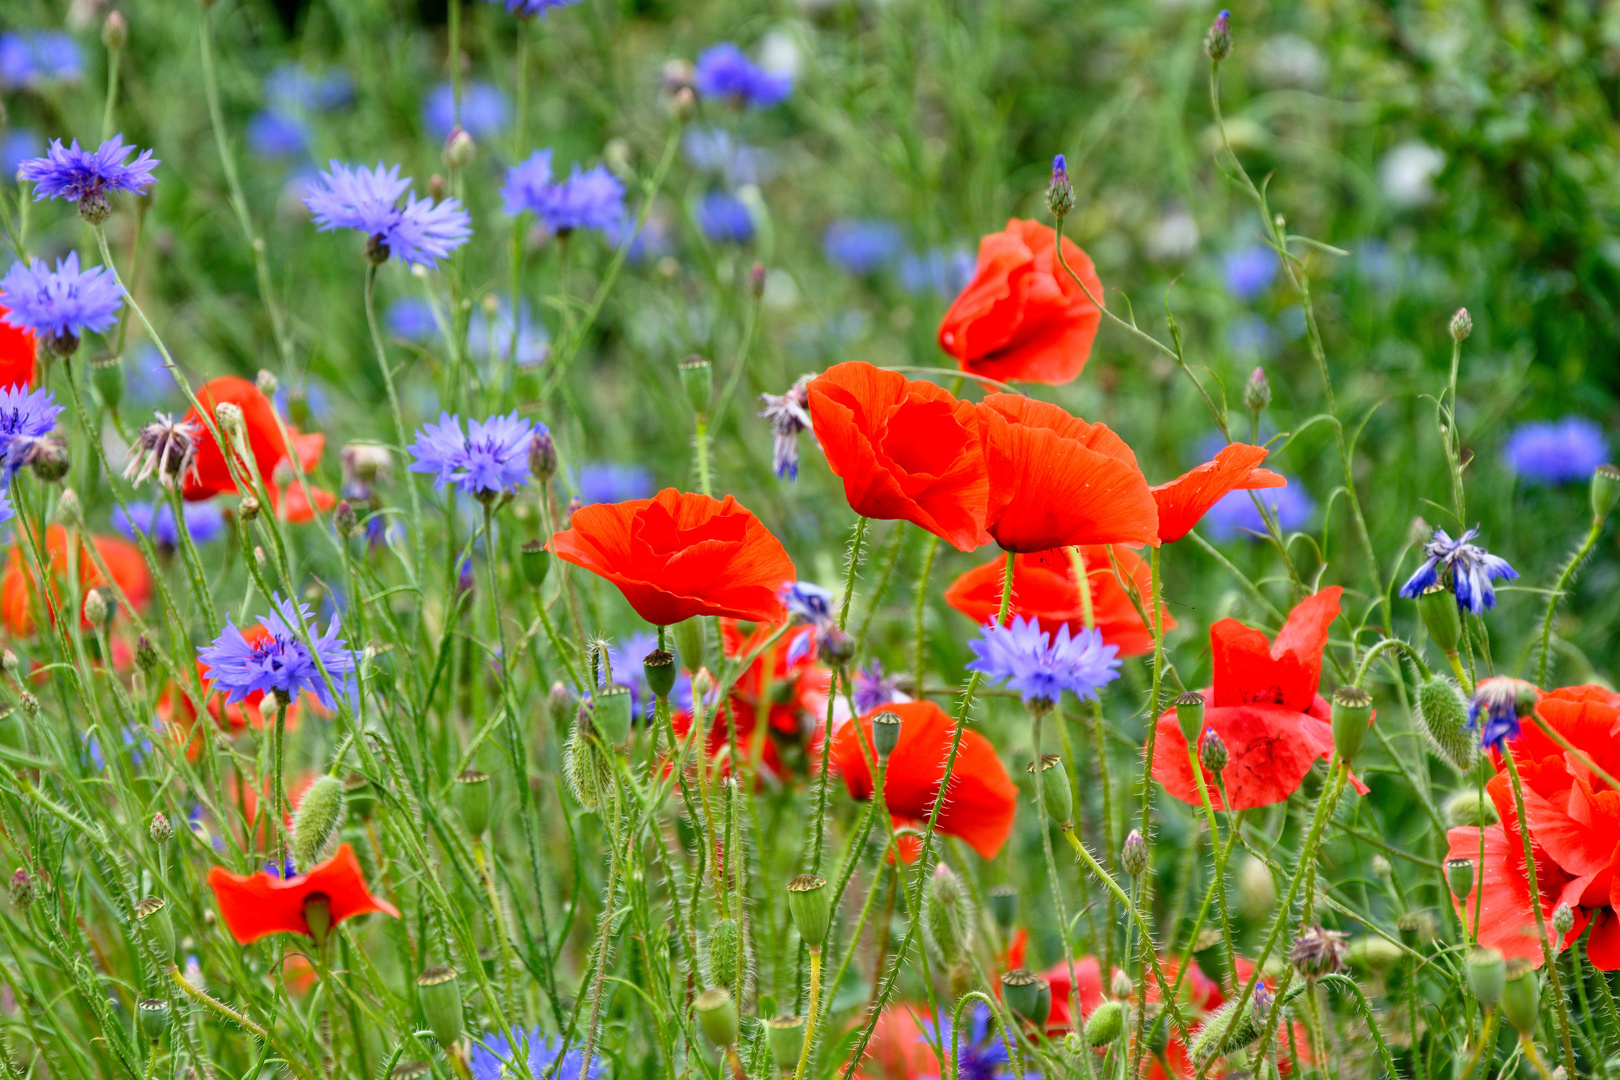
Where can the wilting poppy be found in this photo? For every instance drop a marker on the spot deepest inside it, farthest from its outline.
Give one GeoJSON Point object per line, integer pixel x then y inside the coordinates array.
{"type": "Point", "coordinates": [1187, 498]}
{"type": "Point", "coordinates": [264, 439]}
{"type": "Point", "coordinates": [905, 449]}
{"type": "Point", "coordinates": [257, 905]}
{"type": "Point", "coordinates": [979, 801]}
{"type": "Point", "coordinates": [680, 554]}
{"type": "Point", "coordinates": [1022, 317]}
{"type": "Point", "coordinates": [17, 585]}
{"type": "Point", "coordinates": [1045, 588]}
{"type": "Point", "coordinates": [1264, 706]}
{"type": "Point", "coordinates": [17, 352]}
{"type": "Point", "coordinates": [1056, 480]}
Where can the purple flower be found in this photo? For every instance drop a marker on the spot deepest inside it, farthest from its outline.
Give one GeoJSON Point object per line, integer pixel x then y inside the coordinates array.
{"type": "Point", "coordinates": [29, 59]}
{"type": "Point", "coordinates": [63, 302]}
{"type": "Point", "coordinates": [861, 246]}
{"type": "Point", "coordinates": [1250, 271]}
{"type": "Point", "coordinates": [723, 71]}
{"type": "Point", "coordinates": [489, 1056]}
{"type": "Point", "coordinates": [204, 522]}
{"type": "Point", "coordinates": [368, 200]}
{"type": "Point", "coordinates": [724, 218]}
{"type": "Point", "coordinates": [715, 150]}
{"type": "Point", "coordinates": [87, 177]}
{"type": "Point", "coordinates": [1235, 514]}
{"type": "Point", "coordinates": [280, 664]}
{"type": "Point", "coordinates": [491, 458]}
{"type": "Point", "coordinates": [873, 688]}
{"type": "Point", "coordinates": [6, 511]}
{"type": "Point", "coordinates": [654, 240]}
{"type": "Point", "coordinates": [980, 1053]}
{"type": "Point", "coordinates": [275, 134]}
{"type": "Point", "coordinates": [1463, 567]}
{"type": "Point", "coordinates": [610, 482]}
{"type": "Point", "coordinates": [1250, 335]}
{"type": "Point", "coordinates": [944, 271]}
{"type": "Point", "coordinates": [1497, 708]}
{"type": "Point", "coordinates": [147, 380]}
{"type": "Point", "coordinates": [483, 110]}
{"type": "Point", "coordinates": [789, 414]}
{"type": "Point", "coordinates": [534, 7]}
{"type": "Point", "coordinates": [411, 319]}
{"type": "Point", "coordinates": [1556, 452]}
{"type": "Point", "coordinates": [590, 199]}
{"type": "Point", "coordinates": [26, 418]}
{"type": "Point", "coordinates": [1041, 666]}
{"type": "Point", "coordinates": [291, 88]}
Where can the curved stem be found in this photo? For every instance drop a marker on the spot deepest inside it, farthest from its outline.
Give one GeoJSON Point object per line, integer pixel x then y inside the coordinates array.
{"type": "Point", "coordinates": [1564, 576]}
{"type": "Point", "coordinates": [1384, 646]}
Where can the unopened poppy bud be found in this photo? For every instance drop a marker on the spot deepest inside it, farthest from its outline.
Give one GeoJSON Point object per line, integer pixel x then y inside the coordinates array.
{"type": "Point", "coordinates": [1105, 1023]}
{"type": "Point", "coordinates": [160, 830]}
{"type": "Point", "coordinates": [1352, 713]}
{"type": "Point", "coordinates": [49, 459]}
{"type": "Point", "coordinates": [1462, 324]}
{"type": "Point", "coordinates": [702, 683]}
{"type": "Point", "coordinates": [107, 376]}
{"type": "Point", "coordinates": [1212, 755]}
{"type": "Point", "coordinates": [1190, 715]}
{"type": "Point", "coordinates": [1054, 789]}
{"type": "Point", "coordinates": [697, 379]}
{"type": "Point", "coordinates": [69, 510]}
{"type": "Point", "coordinates": [689, 643]}
{"type": "Point", "coordinates": [95, 608]}
{"type": "Point", "coordinates": [153, 915]}
{"type": "Point", "coordinates": [1218, 42]}
{"type": "Point", "coordinates": [542, 456]}
{"type": "Point", "coordinates": [725, 953]}
{"type": "Point", "coordinates": [1521, 996]}
{"type": "Point", "coordinates": [1442, 715]}
{"type": "Point", "coordinates": [947, 916]}
{"type": "Point", "coordinates": [659, 668]}
{"type": "Point", "coordinates": [535, 561]}
{"type": "Point", "coordinates": [267, 382]}
{"type": "Point", "coordinates": [115, 31]}
{"type": "Point", "coordinates": [1020, 989]}
{"type": "Point", "coordinates": [1563, 919]}
{"type": "Point", "coordinates": [1059, 191]}
{"type": "Point", "coordinates": [1133, 855]}
{"type": "Point", "coordinates": [885, 734]}
{"type": "Point", "coordinates": [345, 522]}
{"type": "Point", "coordinates": [1605, 490]}
{"type": "Point", "coordinates": [1486, 973]}
{"type": "Point", "coordinates": [474, 798]}
{"type": "Point", "coordinates": [756, 280]}
{"type": "Point", "coordinates": [459, 150]}
{"type": "Point", "coordinates": [835, 647]}
{"type": "Point", "coordinates": [1438, 610]}
{"type": "Point", "coordinates": [717, 1016]}
{"type": "Point", "coordinates": [612, 714]}
{"type": "Point", "coordinates": [785, 1036]}
{"type": "Point", "coordinates": [315, 825]}
{"type": "Point", "coordinates": [811, 906]}
{"type": "Point", "coordinates": [1003, 900]}
{"type": "Point", "coordinates": [1469, 809]}
{"type": "Point", "coordinates": [22, 889]}
{"type": "Point", "coordinates": [152, 1013]}
{"type": "Point", "coordinates": [439, 990]}
{"type": "Point", "coordinates": [1257, 391]}
{"type": "Point", "coordinates": [1257, 890]}
{"type": "Point", "coordinates": [1381, 867]}
{"type": "Point", "coordinates": [1374, 954]}
{"type": "Point", "coordinates": [1221, 1034]}
{"type": "Point", "coordinates": [248, 508]}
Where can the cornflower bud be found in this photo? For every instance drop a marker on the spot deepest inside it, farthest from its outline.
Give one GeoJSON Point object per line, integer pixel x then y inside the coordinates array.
{"type": "Point", "coordinates": [440, 993]}
{"type": "Point", "coordinates": [835, 647]}
{"type": "Point", "coordinates": [811, 906]}
{"type": "Point", "coordinates": [1352, 714]}
{"type": "Point", "coordinates": [115, 31]}
{"type": "Point", "coordinates": [1521, 996]}
{"type": "Point", "coordinates": [267, 382]}
{"type": "Point", "coordinates": [1318, 952]}
{"type": "Point", "coordinates": [248, 508]}
{"type": "Point", "coordinates": [1120, 986]}
{"type": "Point", "coordinates": [160, 830]}
{"type": "Point", "coordinates": [315, 825]}
{"type": "Point", "coordinates": [1212, 755]}
{"type": "Point", "coordinates": [756, 280]}
{"type": "Point", "coordinates": [535, 562]}
{"type": "Point", "coordinates": [22, 889]}
{"type": "Point", "coordinates": [69, 510]}
{"type": "Point", "coordinates": [1462, 324]}
{"type": "Point", "coordinates": [345, 522]}
{"type": "Point", "coordinates": [1563, 919]}
{"type": "Point", "coordinates": [1486, 973]}
{"type": "Point", "coordinates": [1381, 867]}
{"type": "Point", "coordinates": [1257, 391]}
{"type": "Point", "coordinates": [1190, 715]}
{"type": "Point", "coordinates": [1059, 191]}
{"type": "Point", "coordinates": [1105, 1023]}
{"type": "Point", "coordinates": [474, 796]}
{"type": "Point", "coordinates": [885, 734]}
{"type": "Point", "coordinates": [30, 703]}
{"type": "Point", "coordinates": [146, 654]}
{"type": "Point", "coordinates": [228, 415]}
{"type": "Point", "coordinates": [1605, 490]}
{"type": "Point", "coordinates": [717, 1016]}
{"type": "Point", "coordinates": [95, 608]}
{"type": "Point", "coordinates": [1218, 42]}
{"type": "Point", "coordinates": [542, 456]}
{"type": "Point", "coordinates": [1055, 793]}
{"type": "Point", "coordinates": [49, 459]}
{"type": "Point", "coordinates": [1133, 855]}
{"type": "Point", "coordinates": [459, 150]}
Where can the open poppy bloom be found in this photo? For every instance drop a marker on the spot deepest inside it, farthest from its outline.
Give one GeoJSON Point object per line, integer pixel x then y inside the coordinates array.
{"type": "Point", "coordinates": [1574, 818]}
{"type": "Point", "coordinates": [18, 587]}
{"type": "Point", "coordinates": [1056, 480]}
{"type": "Point", "coordinates": [1264, 706]}
{"type": "Point", "coordinates": [1022, 317]}
{"type": "Point", "coordinates": [1187, 498]}
{"type": "Point", "coordinates": [17, 352]}
{"type": "Point", "coordinates": [265, 442]}
{"type": "Point", "coordinates": [257, 905]}
{"type": "Point", "coordinates": [680, 554]}
{"type": "Point", "coordinates": [1045, 588]}
{"type": "Point", "coordinates": [979, 801]}
{"type": "Point", "coordinates": [906, 450]}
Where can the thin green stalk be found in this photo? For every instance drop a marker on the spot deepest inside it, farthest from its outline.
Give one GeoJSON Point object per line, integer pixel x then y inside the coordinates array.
{"type": "Point", "coordinates": [399, 423]}
{"type": "Point", "coordinates": [1557, 594]}
{"type": "Point", "coordinates": [920, 650]}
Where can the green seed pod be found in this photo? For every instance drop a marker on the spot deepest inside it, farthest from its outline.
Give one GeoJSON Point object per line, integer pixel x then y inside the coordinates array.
{"type": "Point", "coordinates": [1004, 906]}
{"type": "Point", "coordinates": [725, 954]}
{"type": "Point", "coordinates": [1467, 809]}
{"type": "Point", "coordinates": [947, 917]}
{"type": "Point", "coordinates": [785, 1036]}
{"type": "Point", "coordinates": [315, 825]}
{"type": "Point", "coordinates": [318, 917]}
{"type": "Point", "coordinates": [1043, 1004]}
{"type": "Point", "coordinates": [811, 905]}
{"type": "Point", "coordinates": [107, 376]}
{"type": "Point", "coordinates": [1521, 997]}
{"type": "Point", "coordinates": [1442, 716]}
{"type": "Point", "coordinates": [473, 796]}
{"type": "Point", "coordinates": [697, 379]}
{"type": "Point", "coordinates": [885, 734]}
{"type": "Point", "coordinates": [1020, 989]}
{"type": "Point", "coordinates": [440, 994]}
{"type": "Point", "coordinates": [689, 643]}
{"type": "Point", "coordinates": [1055, 792]}
{"type": "Point", "coordinates": [535, 561]}
{"type": "Point", "coordinates": [1352, 714]}
{"type": "Point", "coordinates": [1105, 1023]}
{"type": "Point", "coordinates": [153, 1015]}
{"type": "Point", "coordinates": [1438, 610]}
{"type": "Point", "coordinates": [1190, 715]}
{"type": "Point", "coordinates": [612, 714]}
{"type": "Point", "coordinates": [1605, 490]}
{"type": "Point", "coordinates": [1486, 973]}
{"type": "Point", "coordinates": [717, 1016]}
{"type": "Point", "coordinates": [659, 667]}
{"type": "Point", "coordinates": [152, 913]}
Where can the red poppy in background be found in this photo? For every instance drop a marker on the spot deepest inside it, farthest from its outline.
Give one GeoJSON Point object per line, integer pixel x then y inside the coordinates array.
{"type": "Point", "coordinates": [680, 554]}
{"type": "Point", "coordinates": [17, 353]}
{"type": "Point", "coordinates": [1045, 588]}
{"type": "Point", "coordinates": [1022, 317]}
{"type": "Point", "coordinates": [1187, 498]}
{"type": "Point", "coordinates": [213, 477]}
{"type": "Point", "coordinates": [905, 449]}
{"type": "Point", "coordinates": [18, 585]}
{"type": "Point", "coordinates": [980, 799]}
{"type": "Point", "coordinates": [1264, 705]}
{"type": "Point", "coordinates": [1056, 480]}
{"type": "Point", "coordinates": [257, 905]}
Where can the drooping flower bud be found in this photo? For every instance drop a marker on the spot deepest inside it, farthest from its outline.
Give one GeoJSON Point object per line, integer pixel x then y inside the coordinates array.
{"type": "Point", "coordinates": [439, 990]}
{"type": "Point", "coordinates": [659, 668]}
{"type": "Point", "coordinates": [1352, 713]}
{"type": "Point", "coordinates": [947, 917]}
{"type": "Point", "coordinates": [535, 561]}
{"type": "Point", "coordinates": [1468, 809]}
{"type": "Point", "coordinates": [474, 797]}
{"type": "Point", "coordinates": [717, 1016]}
{"type": "Point", "coordinates": [1212, 755]}
{"type": "Point", "coordinates": [315, 825]}
{"type": "Point", "coordinates": [785, 1037]}
{"type": "Point", "coordinates": [1372, 953]}
{"type": "Point", "coordinates": [1213, 1040]}
{"type": "Point", "coordinates": [1003, 900]}
{"type": "Point", "coordinates": [811, 905]}
{"type": "Point", "coordinates": [1105, 1024]}
{"type": "Point", "coordinates": [1257, 890]}
{"type": "Point", "coordinates": [1521, 996]}
{"type": "Point", "coordinates": [697, 379]}
{"type": "Point", "coordinates": [1218, 42]}
{"type": "Point", "coordinates": [885, 734]}
{"type": "Point", "coordinates": [1133, 854]}
{"type": "Point", "coordinates": [1054, 789]}
{"type": "Point", "coordinates": [612, 714]}
{"type": "Point", "coordinates": [1486, 973]}
{"type": "Point", "coordinates": [1059, 191]}
{"type": "Point", "coordinates": [1190, 715]}
{"type": "Point", "coordinates": [585, 766]}
{"type": "Point", "coordinates": [1605, 490]}
{"type": "Point", "coordinates": [1442, 715]}
{"type": "Point", "coordinates": [1257, 391]}
{"type": "Point", "coordinates": [1462, 324]}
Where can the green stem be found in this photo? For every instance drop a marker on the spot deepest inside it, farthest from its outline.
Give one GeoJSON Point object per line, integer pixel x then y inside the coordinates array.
{"type": "Point", "coordinates": [399, 424]}
{"type": "Point", "coordinates": [812, 1014]}
{"type": "Point", "coordinates": [1557, 594]}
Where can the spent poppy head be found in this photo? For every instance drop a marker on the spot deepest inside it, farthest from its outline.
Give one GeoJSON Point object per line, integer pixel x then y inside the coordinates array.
{"type": "Point", "coordinates": [1056, 480]}
{"type": "Point", "coordinates": [1022, 317]}
{"type": "Point", "coordinates": [905, 449]}
{"type": "Point", "coordinates": [681, 554]}
{"type": "Point", "coordinates": [1187, 498]}
{"type": "Point", "coordinates": [257, 905]}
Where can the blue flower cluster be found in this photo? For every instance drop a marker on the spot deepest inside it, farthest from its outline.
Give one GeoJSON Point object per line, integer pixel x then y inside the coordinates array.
{"type": "Point", "coordinates": [292, 95]}
{"type": "Point", "coordinates": [491, 458]}
{"type": "Point", "coordinates": [534, 7]}
{"type": "Point", "coordinates": [205, 522]}
{"type": "Point", "coordinates": [1463, 567]}
{"type": "Point", "coordinates": [1041, 666]}
{"type": "Point", "coordinates": [484, 111]}
{"type": "Point", "coordinates": [68, 172]}
{"type": "Point", "coordinates": [32, 58]}
{"type": "Point", "coordinates": [612, 482]}
{"type": "Point", "coordinates": [416, 230]}
{"type": "Point", "coordinates": [588, 199]}
{"type": "Point", "coordinates": [724, 218]}
{"type": "Point", "coordinates": [539, 1052]}
{"type": "Point", "coordinates": [279, 663]}
{"type": "Point", "coordinates": [60, 303]}
{"type": "Point", "coordinates": [724, 71]}
{"type": "Point", "coordinates": [862, 246]}
{"type": "Point", "coordinates": [1236, 515]}
{"type": "Point", "coordinates": [1556, 451]}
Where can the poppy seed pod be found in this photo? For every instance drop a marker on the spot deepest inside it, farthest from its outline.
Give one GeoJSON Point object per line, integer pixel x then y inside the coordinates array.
{"type": "Point", "coordinates": [107, 376]}
{"type": "Point", "coordinates": [1055, 793]}
{"type": "Point", "coordinates": [1043, 1004]}
{"type": "Point", "coordinates": [439, 990]}
{"type": "Point", "coordinates": [315, 825]}
{"type": "Point", "coordinates": [1438, 610]}
{"type": "Point", "coordinates": [612, 714]}
{"type": "Point", "coordinates": [1190, 715]}
{"type": "Point", "coordinates": [785, 1037]}
{"type": "Point", "coordinates": [1212, 755]}
{"type": "Point", "coordinates": [885, 734]}
{"type": "Point", "coordinates": [689, 643]}
{"type": "Point", "coordinates": [1521, 996]}
{"type": "Point", "coordinates": [153, 1015]}
{"type": "Point", "coordinates": [1105, 1023]}
{"type": "Point", "coordinates": [535, 561]}
{"type": "Point", "coordinates": [812, 908]}
{"type": "Point", "coordinates": [697, 379]}
{"type": "Point", "coordinates": [153, 915]}
{"type": "Point", "coordinates": [1442, 715]}
{"type": "Point", "coordinates": [474, 797]}
{"type": "Point", "coordinates": [659, 668]}
{"type": "Point", "coordinates": [1003, 902]}
{"type": "Point", "coordinates": [1133, 854]}
{"type": "Point", "coordinates": [1020, 989]}
{"type": "Point", "coordinates": [1352, 713]}
{"type": "Point", "coordinates": [1486, 973]}
{"type": "Point", "coordinates": [1605, 490]}
{"type": "Point", "coordinates": [717, 1016]}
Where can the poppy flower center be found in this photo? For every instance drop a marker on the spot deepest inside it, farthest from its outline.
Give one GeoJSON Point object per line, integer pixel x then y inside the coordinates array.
{"type": "Point", "coordinates": [922, 437]}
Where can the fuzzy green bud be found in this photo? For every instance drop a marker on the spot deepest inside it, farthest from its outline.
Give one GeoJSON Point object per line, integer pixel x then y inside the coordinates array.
{"type": "Point", "coordinates": [697, 379]}
{"type": "Point", "coordinates": [1605, 490]}
{"type": "Point", "coordinates": [474, 798]}
{"type": "Point", "coordinates": [725, 954]}
{"type": "Point", "coordinates": [1442, 716]}
{"type": "Point", "coordinates": [1133, 854]}
{"type": "Point", "coordinates": [811, 905]}
{"type": "Point", "coordinates": [1486, 973]}
{"type": "Point", "coordinates": [586, 768]}
{"type": "Point", "coordinates": [1563, 919]}
{"type": "Point", "coordinates": [1212, 1039]}
{"type": "Point", "coordinates": [785, 1037]}
{"type": "Point", "coordinates": [1466, 809]}
{"type": "Point", "coordinates": [1054, 788]}
{"type": "Point", "coordinates": [160, 830]}
{"type": "Point", "coordinates": [439, 990]}
{"type": "Point", "coordinates": [885, 734]}
{"type": "Point", "coordinates": [612, 714]}
{"type": "Point", "coordinates": [535, 561]}
{"type": "Point", "coordinates": [1438, 610]}
{"type": "Point", "coordinates": [1462, 324]}
{"type": "Point", "coordinates": [1352, 714]}
{"type": "Point", "coordinates": [659, 668]}
{"type": "Point", "coordinates": [1105, 1023]}
{"type": "Point", "coordinates": [689, 643]}
{"type": "Point", "coordinates": [315, 825]}
{"type": "Point", "coordinates": [152, 913]}
{"type": "Point", "coordinates": [152, 1013]}
{"type": "Point", "coordinates": [1521, 996]}
{"type": "Point", "coordinates": [1373, 954]}
{"type": "Point", "coordinates": [1257, 391]}
{"type": "Point", "coordinates": [1190, 715]}
{"type": "Point", "coordinates": [717, 1016]}
{"type": "Point", "coordinates": [947, 917]}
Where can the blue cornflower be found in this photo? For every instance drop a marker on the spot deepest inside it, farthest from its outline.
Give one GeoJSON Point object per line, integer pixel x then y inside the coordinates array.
{"type": "Point", "coordinates": [16, 147]}
{"type": "Point", "coordinates": [724, 218]}
{"type": "Point", "coordinates": [861, 246]}
{"type": "Point", "coordinates": [87, 177]}
{"type": "Point", "coordinates": [789, 415]}
{"type": "Point", "coordinates": [368, 200]}
{"type": "Point", "coordinates": [628, 670]}
{"type": "Point", "coordinates": [715, 150]}
{"type": "Point", "coordinates": [610, 482]}
{"type": "Point", "coordinates": [1250, 271]}
{"type": "Point", "coordinates": [275, 134]}
{"type": "Point", "coordinates": [279, 663]}
{"type": "Point", "coordinates": [1498, 707]}
{"type": "Point", "coordinates": [26, 418]}
{"type": "Point", "coordinates": [410, 318]}
{"type": "Point", "coordinates": [483, 110]}
{"type": "Point", "coordinates": [61, 304]}
{"type": "Point", "coordinates": [489, 336]}
{"type": "Point", "coordinates": [1463, 567]}
{"type": "Point", "coordinates": [542, 1053]}
{"type": "Point", "coordinates": [534, 7]}
{"type": "Point", "coordinates": [589, 199]}
{"type": "Point", "coordinates": [873, 688]}
{"type": "Point", "coordinates": [1249, 335]}
{"type": "Point", "coordinates": [1556, 452]}
{"type": "Point", "coordinates": [1235, 514]}
{"type": "Point", "coordinates": [807, 602]}
{"type": "Point", "coordinates": [29, 59]}
{"type": "Point", "coordinates": [292, 88]}
{"type": "Point", "coordinates": [204, 521]}
{"type": "Point", "coordinates": [812, 606]}
{"type": "Point", "coordinates": [944, 271]}
{"type": "Point", "coordinates": [723, 71]}
{"type": "Point", "coordinates": [491, 458]}
{"type": "Point", "coordinates": [1041, 666]}
{"type": "Point", "coordinates": [980, 1053]}
{"type": "Point", "coordinates": [6, 510]}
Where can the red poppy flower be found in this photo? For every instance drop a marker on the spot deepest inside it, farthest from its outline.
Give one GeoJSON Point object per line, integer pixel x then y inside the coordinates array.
{"type": "Point", "coordinates": [17, 585]}
{"type": "Point", "coordinates": [1045, 588]}
{"type": "Point", "coordinates": [257, 905]}
{"type": "Point", "coordinates": [1264, 706]}
{"type": "Point", "coordinates": [1056, 480]}
{"type": "Point", "coordinates": [980, 800]}
{"type": "Point", "coordinates": [17, 354]}
{"type": "Point", "coordinates": [680, 554]}
{"type": "Point", "coordinates": [905, 449]}
{"type": "Point", "coordinates": [212, 476]}
{"type": "Point", "coordinates": [1022, 317]}
{"type": "Point", "coordinates": [1187, 498]}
